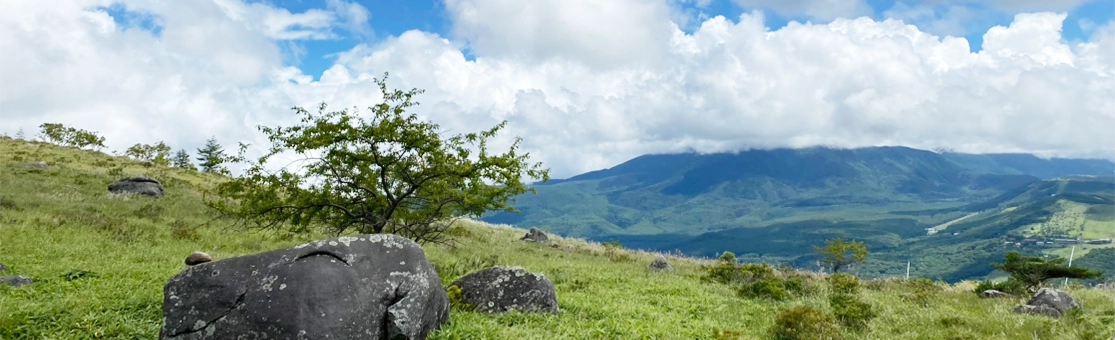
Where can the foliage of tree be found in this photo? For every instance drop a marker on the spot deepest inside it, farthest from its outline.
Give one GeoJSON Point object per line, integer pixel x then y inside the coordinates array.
{"type": "Point", "coordinates": [1032, 271]}
{"type": "Point", "coordinates": [59, 134]}
{"type": "Point", "coordinates": [390, 173]}
{"type": "Point", "coordinates": [159, 154]}
{"type": "Point", "coordinates": [839, 254]}
{"type": "Point", "coordinates": [212, 157]}
{"type": "Point", "coordinates": [19, 135]}
{"type": "Point", "coordinates": [182, 160]}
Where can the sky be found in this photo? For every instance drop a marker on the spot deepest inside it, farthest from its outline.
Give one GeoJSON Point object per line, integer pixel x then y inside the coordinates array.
{"type": "Point", "coordinates": [587, 84]}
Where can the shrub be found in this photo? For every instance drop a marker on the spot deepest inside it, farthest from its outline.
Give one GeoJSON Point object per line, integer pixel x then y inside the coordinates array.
{"type": "Point", "coordinates": [8, 203]}
{"type": "Point", "coordinates": [846, 305]}
{"type": "Point", "coordinates": [844, 284]}
{"type": "Point", "coordinates": [614, 251]}
{"type": "Point", "coordinates": [1009, 286]}
{"type": "Point", "coordinates": [78, 274]}
{"type": "Point", "coordinates": [804, 323]}
{"type": "Point", "coordinates": [181, 230]}
{"type": "Point", "coordinates": [455, 300]}
{"type": "Point", "coordinates": [149, 211]}
{"type": "Point", "coordinates": [851, 312]}
{"type": "Point", "coordinates": [767, 287]}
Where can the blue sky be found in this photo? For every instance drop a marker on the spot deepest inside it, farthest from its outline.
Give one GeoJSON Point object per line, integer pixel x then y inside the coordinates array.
{"type": "Point", "coordinates": [393, 17]}
{"type": "Point", "coordinates": [587, 83]}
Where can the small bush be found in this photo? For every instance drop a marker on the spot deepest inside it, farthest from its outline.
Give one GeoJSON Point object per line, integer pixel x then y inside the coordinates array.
{"type": "Point", "coordinates": [614, 251]}
{"type": "Point", "coordinates": [1009, 286]}
{"type": "Point", "coordinates": [78, 274]}
{"type": "Point", "coordinates": [851, 312]}
{"type": "Point", "coordinates": [951, 321]}
{"type": "Point", "coordinates": [117, 171]}
{"type": "Point", "coordinates": [764, 288]}
{"type": "Point", "coordinates": [804, 323]}
{"type": "Point", "coordinates": [149, 211]}
{"type": "Point", "coordinates": [8, 203]}
{"type": "Point", "coordinates": [844, 284]}
{"type": "Point", "coordinates": [181, 230]}
{"type": "Point", "coordinates": [455, 299]}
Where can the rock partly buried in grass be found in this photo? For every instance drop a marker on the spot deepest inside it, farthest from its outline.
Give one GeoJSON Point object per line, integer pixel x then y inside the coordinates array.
{"type": "Point", "coordinates": [501, 289]}
{"type": "Point", "coordinates": [2, 267]}
{"type": "Point", "coordinates": [40, 165]}
{"type": "Point", "coordinates": [1050, 302]}
{"type": "Point", "coordinates": [14, 281]}
{"type": "Point", "coordinates": [198, 257]}
{"type": "Point", "coordinates": [145, 186]}
{"type": "Point", "coordinates": [659, 264]}
{"type": "Point", "coordinates": [991, 293]}
{"type": "Point", "coordinates": [535, 235]}
{"type": "Point", "coordinates": [368, 287]}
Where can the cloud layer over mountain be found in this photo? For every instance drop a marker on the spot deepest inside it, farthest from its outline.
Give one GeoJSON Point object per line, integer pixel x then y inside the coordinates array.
{"type": "Point", "coordinates": [588, 84]}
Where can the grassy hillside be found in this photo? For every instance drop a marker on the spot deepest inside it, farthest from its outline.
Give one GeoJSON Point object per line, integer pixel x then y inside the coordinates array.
{"type": "Point", "coordinates": [100, 263]}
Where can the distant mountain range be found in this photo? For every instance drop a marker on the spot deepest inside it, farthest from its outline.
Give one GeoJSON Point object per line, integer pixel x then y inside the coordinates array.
{"type": "Point", "coordinates": [774, 205]}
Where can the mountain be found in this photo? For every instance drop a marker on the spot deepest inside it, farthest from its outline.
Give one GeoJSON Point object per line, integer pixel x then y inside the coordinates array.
{"type": "Point", "coordinates": [774, 205]}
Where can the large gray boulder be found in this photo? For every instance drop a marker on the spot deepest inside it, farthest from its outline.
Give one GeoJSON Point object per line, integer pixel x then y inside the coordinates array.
{"type": "Point", "coordinates": [145, 186]}
{"type": "Point", "coordinates": [501, 289]}
{"type": "Point", "coordinates": [14, 281]}
{"type": "Point", "coordinates": [368, 287]}
{"type": "Point", "coordinates": [1050, 302]}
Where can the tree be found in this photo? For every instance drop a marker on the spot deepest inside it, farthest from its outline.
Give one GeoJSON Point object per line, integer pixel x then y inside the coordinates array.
{"type": "Point", "coordinates": [19, 135]}
{"type": "Point", "coordinates": [391, 173]}
{"type": "Point", "coordinates": [159, 154]}
{"type": "Point", "coordinates": [182, 160]}
{"type": "Point", "coordinates": [67, 136]}
{"type": "Point", "coordinates": [1032, 271]}
{"type": "Point", "coordinates": [839, 254]}
{"type": "Point", "coordinates": [212, 157]}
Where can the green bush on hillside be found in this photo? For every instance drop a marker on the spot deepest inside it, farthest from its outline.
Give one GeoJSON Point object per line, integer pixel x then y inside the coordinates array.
{"type": "Point", "coordinates": [846, 304]}
{"type": "Point", "coordinates": [1009, 286]}
{"type": "Point", "coordinates": [754, 280]}
{"type": "Point", "coordinates": [844, 284]}
{"type": "Point", "coordinates": [804, 323]}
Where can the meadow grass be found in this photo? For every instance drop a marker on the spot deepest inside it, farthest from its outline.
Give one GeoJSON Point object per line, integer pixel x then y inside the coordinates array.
{"type": "Point", "coordinates": [100, 262]}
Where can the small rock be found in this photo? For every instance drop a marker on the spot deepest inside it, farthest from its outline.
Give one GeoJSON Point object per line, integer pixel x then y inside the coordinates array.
{"type": "Point", "coordinates": [198, 258]}
{"type": "Point", "coordinates": [660, 264]}
{"type": "Point", "coordinates": [535, 235]}
{"type": "Point", "coordinates": [2, 267]}
{"type": "Point", "coordinates": [501, 289]}
{"type": "Point", "coordinates": [15, 281]}
{"type": "Point", "coordinates": [40, 165]}
{"type": "Point", "coordinates": [991, 293]}
{"type": "Point", "coordinates": [145, 186]}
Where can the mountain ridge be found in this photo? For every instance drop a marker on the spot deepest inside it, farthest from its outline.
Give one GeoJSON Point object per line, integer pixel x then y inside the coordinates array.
{"type": "Point", "coordinates": [789, 198]}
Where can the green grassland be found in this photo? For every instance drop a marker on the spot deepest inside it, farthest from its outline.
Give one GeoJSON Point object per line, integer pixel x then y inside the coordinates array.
{"type": "Point", "coordinates": [1074, 220]}
{"type": "Point", "coordinates": [100, 263]}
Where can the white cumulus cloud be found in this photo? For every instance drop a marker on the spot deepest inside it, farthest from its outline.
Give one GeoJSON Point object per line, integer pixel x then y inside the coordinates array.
{"type": "Point", "coordinates": [583, 98]}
